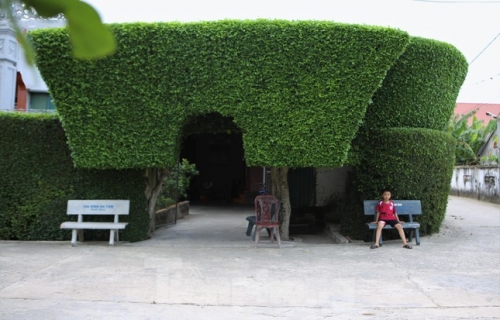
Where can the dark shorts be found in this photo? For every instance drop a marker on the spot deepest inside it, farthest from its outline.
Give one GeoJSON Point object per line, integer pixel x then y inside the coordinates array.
{"type": "Point", "coordinates": [392, 223]}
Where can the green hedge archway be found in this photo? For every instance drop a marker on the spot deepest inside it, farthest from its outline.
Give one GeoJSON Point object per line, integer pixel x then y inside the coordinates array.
{"type": "Point", "coordinates": [298, 90]}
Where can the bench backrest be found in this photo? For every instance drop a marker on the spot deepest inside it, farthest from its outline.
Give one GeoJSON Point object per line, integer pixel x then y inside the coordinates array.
{"type": "Point", "coordinates": [403, 207]}
{"type": "Point", "coordinates": [98, 207]}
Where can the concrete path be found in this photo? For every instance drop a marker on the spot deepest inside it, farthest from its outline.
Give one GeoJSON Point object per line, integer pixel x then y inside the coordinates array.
{"type": "Point", "coordinates": [205, 267]}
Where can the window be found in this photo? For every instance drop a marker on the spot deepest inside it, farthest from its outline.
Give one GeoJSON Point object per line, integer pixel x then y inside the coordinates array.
{"type": "Point", "coordinates": [41, 101]}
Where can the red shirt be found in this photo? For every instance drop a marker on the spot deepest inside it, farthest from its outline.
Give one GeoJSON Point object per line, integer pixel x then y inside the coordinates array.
{"type": "Point", "coordinates": [387, 210]}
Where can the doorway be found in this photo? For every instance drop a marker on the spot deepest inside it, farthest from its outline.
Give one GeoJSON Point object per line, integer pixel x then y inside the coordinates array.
{"type": "Point", "coordinates": [219, 159]}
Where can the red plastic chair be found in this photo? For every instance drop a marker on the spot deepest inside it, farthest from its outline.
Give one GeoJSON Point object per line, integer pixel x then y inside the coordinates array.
{"type": "Point", "coordinates": [267, 209]}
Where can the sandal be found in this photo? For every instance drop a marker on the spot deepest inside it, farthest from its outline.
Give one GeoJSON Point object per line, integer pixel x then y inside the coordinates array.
{"type": "Point", "coordinates": [374, 246]}
{"type": "Point", "coordinates": [407, 246]}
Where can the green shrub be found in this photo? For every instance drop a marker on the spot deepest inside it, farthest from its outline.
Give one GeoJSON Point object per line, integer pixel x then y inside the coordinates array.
{"type": "Point", "coordinates": [176, 183]}
{"type": "Point", "coordinates": [298, 92]}
{"type": "Point", "coordinates": [300, 86]}
{"type": "Point", "coordinates": [416, 164]}
{"type": "Point", "coordinates": [164, 202]}
{"type": "Point", "coordinates": [419, 91]}
{"type": "Point", "coordinates": [37, 178]}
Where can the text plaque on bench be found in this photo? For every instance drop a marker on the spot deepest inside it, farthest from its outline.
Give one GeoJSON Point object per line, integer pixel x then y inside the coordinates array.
{"type": "Point", "coordinates": [98, 207]}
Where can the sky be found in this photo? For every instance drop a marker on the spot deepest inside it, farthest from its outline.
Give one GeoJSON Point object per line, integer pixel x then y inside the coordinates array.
{"type": "Point", "coordinates": [472, 26]}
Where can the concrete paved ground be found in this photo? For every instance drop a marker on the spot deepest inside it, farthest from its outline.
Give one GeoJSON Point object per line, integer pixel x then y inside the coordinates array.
{"type": "Point", "coordinates": [205, 267]}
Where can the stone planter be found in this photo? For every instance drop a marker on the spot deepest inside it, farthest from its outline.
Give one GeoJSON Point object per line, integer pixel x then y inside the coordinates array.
{"type": "Point", "coordinates": [168, 215]}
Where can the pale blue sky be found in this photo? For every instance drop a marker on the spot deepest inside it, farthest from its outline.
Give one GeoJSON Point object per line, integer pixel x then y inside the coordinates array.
{"type": "Point", "coordinates": [469, 25]}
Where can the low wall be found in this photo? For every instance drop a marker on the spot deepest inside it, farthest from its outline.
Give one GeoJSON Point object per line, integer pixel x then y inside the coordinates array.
{"type": "Point", "coordinates": [479, 182]}
{"type": "Point", "coordinates": [168, 215]}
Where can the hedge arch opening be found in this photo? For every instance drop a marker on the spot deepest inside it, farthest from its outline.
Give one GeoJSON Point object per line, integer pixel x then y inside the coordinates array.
{"type": "Point", "coordinates": [214, 144]}
{"type": "Point", "coordinates": [299, 86]}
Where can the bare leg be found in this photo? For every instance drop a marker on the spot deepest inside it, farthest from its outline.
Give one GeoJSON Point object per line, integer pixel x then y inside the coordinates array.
{"type": "Point", "coordinates": [401, 233]}
{"type": "Point", "coordinates": [380, 226]}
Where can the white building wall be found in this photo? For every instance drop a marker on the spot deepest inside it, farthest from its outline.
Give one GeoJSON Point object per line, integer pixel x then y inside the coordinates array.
{"type": "Point", "coordinates": [9, 53]}
{"type": "Point", "coordinates": [479, 182]}
{"type": "Point", "coordinates": [12, 60]}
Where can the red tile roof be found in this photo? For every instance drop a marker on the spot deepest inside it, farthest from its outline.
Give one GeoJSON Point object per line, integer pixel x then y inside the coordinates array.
{"type": "Point", "coordinates": [482, 108]}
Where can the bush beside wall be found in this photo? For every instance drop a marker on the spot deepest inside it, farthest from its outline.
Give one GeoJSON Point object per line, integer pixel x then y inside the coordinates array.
{"type": "Point", "coordinates": [416, 164]}
{"type": "Point", "coordinates": [419, 91]}
{"type": "Point", "coordinates": [297, 90]}
{"type": "Point", "coordinates": [37, 178]}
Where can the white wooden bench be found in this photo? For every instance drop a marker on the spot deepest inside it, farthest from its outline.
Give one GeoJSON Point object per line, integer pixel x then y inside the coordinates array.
{"type": "Point", "coordinates": [96, 207]}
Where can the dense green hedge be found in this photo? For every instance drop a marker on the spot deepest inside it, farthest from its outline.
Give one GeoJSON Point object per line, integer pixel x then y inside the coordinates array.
{"type": "Point", "coordinates": [37, 177]}
{"type": "Point", "coordinates": [416, 164]}
{"type": "Point", "coordinates": [298, 86]}
{"type": "Point", "coordinates": [419, 91]}
{"type": "Point", "coordinates": [297, 90]}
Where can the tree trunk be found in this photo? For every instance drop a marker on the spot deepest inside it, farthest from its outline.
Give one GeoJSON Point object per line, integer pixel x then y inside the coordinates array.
{"type": "Point", "coordinates": [154, 181]}
{"type": "Point", "coordinates": [279, 178]}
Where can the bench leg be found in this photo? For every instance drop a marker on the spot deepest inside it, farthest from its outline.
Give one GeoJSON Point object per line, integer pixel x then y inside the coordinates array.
{"type": "Point", "coordinates": [80, 235]}
{"type": "Point", "coordinates": [73, 238]}
{"type": "Point", "coordinates": [410, 235]}
{"type": "Point", "coordinates": [257, 235]}
{"type": "Point", "coordinates": [417, 236]}
{"type": "Point", "coordinates": [249, 228]}
{"type": "Point", "coordinates": [111, 237]}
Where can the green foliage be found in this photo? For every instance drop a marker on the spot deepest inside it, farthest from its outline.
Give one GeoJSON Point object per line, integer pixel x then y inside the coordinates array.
{"type": "Point", "coordinates": [89, 37]}
{"type": "Point", "coordinates": [416, 164]}
{"type": "Point", "coordinates": [212, 123]}
{"type": "Point", "coordinates": [490, 159]}
{"type": "Point", "coordinates": [421, 88]}
{"type": "Point", "coordinates": [298, 86]}
{"type": "Point", "coordinates": [37, 178]}
{"type": "Point", "coordinates": [419, 91]}
{"type": "Point", "coordinates": [164, 202]}
{"type": "Point", "coordinates": [176, 183]}
{"type": "Point", "coordinates": [469, 138]}
{"type": "Point", "coordinates": [298, 91]}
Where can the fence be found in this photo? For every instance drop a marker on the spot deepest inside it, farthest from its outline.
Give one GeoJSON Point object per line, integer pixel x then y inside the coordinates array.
{"type": "Point", "coordinates": [479, 182]}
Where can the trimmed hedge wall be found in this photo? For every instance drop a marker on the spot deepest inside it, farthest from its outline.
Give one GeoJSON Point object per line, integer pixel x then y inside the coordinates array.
{"type": "Point", "coordinates": [419, 91]}
{"type": "Point", "coordinates": [300, 87]}
{"type": "Point", "coordinates": [415, 163]}
{"type": "Point", "coordinates": [297, 90]}
{"type": "Point", "coordinates": [37, 178]}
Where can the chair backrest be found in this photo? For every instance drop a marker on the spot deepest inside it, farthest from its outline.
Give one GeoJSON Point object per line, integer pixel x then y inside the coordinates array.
{"type": "Point", "coordinates": [267, 209]}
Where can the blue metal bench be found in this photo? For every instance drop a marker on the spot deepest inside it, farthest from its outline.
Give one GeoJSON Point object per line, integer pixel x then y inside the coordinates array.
{"type": "Point", "coordinates": [408, 208]}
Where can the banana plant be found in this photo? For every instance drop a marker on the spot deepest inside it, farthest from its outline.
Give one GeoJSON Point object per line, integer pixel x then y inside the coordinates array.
{"type": "Point", "coordinates": [470, 138]}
